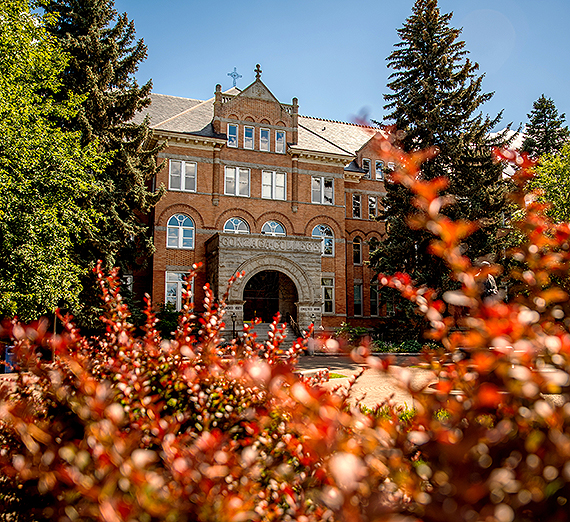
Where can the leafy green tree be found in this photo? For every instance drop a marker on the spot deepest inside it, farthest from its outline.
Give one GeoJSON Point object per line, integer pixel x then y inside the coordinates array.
{"type": "Point", "coordinates": [45, 173]}
{"type": "Point", "coordinates": [545, 132]}
{"type": "Point", "coordinates": [436, 94]}
{"type": "Point", "coordinates": [103, 59]}
{"type": "Point", "coordinates": [552, 177]}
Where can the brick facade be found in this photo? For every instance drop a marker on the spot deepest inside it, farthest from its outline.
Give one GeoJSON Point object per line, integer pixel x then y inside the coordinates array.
{"type": "Point", "coordinates": [199, 139]}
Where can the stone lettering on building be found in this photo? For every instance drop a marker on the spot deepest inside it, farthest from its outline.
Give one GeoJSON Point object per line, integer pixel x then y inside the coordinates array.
{"type": "Point", "coordinates": [272, 244]}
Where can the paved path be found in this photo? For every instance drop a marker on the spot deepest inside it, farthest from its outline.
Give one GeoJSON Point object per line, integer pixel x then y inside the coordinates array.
{"type": "Point", "coordinates": [372, 387]}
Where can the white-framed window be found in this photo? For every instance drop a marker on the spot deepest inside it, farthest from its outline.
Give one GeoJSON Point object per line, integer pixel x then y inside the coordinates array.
{"type": "Point", "coordinates": [175, 283]}
{"type": "Point", "coordinates": [326, 234]}
{"type": "Point", "coordinates": [273, 228]}
{"type": "Point", "coordinates": [379, 169]}
{"type": "Point", "coordinates": [356, 206]}
{"type": "Point", "coordinates": [390, 167]}
{"type": "Point", "coordinates": [322, 190]}
{"type": "Point", "coordinates": [273, 185]}
{"type": "Point", "coordinates": [280, 142]}
{"type": "Point", "coordinates": [358, 299]}
{"type": "Point", "coordinates": [232, 135]}
{"type": "Point", "coordinates": [357, 251]}
{"type": "Point", "coordinates": [366, 167]}
{"type": "Point", "coordinates": [372, 207]}
{"type": "Point", "coordinates": [327, 288]}
{"type": "Point", "coordinates": [248, 137]}
{"type": "Point", "coordinates": [182, 175]}
{"type": "Point", "coordinates": [236, 225]}
{"type": "Point", "coordinates": [264, 139]}
{"type": "Point", "coordinates": [180, 232]}
{"type": "Point", "coordinates": [374, 300]}
{"type": "Point", "coordinates": [236, 182]}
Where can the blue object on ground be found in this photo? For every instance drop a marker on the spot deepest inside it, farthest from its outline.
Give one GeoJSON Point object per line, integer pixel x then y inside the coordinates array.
{"type": "Point", "coordinates": [10, 358]}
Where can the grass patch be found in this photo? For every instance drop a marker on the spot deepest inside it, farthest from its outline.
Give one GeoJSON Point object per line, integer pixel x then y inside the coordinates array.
{"type": "Point", "coordinates": [336, 376]}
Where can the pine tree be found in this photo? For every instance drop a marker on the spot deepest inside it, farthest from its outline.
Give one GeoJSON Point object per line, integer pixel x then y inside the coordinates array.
{"type": "Point", "coordinates": [103, 59]}
{"type": "Point", "coordinates": [545, 132]}
{"type": "Point", "coordinates": [435, 95]}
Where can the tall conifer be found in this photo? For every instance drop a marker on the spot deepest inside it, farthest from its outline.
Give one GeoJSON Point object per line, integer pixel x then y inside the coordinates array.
{"type": "Point", "coordinates": [104, 57]}
{"type": "Point", "coordinates": [435, 96]}
{"type": "Point", "coordinates": [545, 132]}
{"type": "Point", "coordinates": [103, 60]}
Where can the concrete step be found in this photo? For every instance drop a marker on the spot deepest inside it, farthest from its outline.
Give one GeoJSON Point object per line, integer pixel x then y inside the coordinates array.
{"type": "Point", "coordinates": [262, 329]}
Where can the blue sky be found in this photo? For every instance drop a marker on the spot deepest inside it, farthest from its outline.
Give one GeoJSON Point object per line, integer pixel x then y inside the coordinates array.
{"type": "Point", "coordinates": [331, 54]}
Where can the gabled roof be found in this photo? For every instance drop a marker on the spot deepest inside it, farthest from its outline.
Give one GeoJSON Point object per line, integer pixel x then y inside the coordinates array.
{"type": "Point", "coordinates": [190, 116]}
{"type": "Point", "coordinates": [332, 136]}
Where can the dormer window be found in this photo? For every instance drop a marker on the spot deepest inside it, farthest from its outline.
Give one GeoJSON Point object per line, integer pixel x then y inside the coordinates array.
{"type": "Point", "coordinates": [248, 138]}
{"type": "Point", "coordinates": [379, 170]}
{"type": "Point", "coordinates": [366, 167]}
{"type": "Point", "coordinates": [232, 135]}
{"type": "Point", "coordinates": [264, 139]}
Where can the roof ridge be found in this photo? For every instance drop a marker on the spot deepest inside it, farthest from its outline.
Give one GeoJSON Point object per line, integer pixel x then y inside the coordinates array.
{"type": "Point", "coordinates": [339, 121]}
{"type": "Point", "coordinates": [172, 96]}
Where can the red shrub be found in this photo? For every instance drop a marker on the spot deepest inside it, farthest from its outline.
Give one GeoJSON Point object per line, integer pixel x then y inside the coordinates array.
{"type": "Point", "coordinates": [139, 428]}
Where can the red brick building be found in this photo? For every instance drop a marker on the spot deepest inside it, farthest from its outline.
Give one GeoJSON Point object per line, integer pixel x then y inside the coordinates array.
{"type": "Point", "coordinates": [254, 186]}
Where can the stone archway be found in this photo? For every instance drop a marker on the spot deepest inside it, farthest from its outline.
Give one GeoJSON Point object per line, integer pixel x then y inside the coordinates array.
{"type": "Point", "coordinates": [297, 258]}
{"type": "Point", "coordinates": [267, 293]}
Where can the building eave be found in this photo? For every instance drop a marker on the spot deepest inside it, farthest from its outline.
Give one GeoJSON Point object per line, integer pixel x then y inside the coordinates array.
{"type": "Point", "coordinates": [326, 157]}
{"type": "Point", "coordinates": [187, 138]}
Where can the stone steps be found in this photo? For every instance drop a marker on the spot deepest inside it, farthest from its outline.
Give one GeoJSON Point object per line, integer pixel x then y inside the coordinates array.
{"type": "Point", "coordinates": [262, 329]}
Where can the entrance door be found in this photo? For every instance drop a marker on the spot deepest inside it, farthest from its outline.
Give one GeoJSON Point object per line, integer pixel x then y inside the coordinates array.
{"type": "Point", "coordinates": [267, 293]}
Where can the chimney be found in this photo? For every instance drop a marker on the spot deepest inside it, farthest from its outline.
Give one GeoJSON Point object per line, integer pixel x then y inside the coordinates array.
{"type": "Point", "coordinates": [218, 109]}
{"type": "Point", "coordinates": [295, 117]}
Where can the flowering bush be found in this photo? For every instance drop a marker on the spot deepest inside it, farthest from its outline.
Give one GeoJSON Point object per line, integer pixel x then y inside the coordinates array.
{"type": "Point", "coordinates": [125, 428]}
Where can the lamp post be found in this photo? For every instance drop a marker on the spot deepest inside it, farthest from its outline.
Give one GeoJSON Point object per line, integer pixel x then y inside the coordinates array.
{"type": "Point", "coordinates": [313, 317]}
{"type": "Point", "coordinates": [233, 325]}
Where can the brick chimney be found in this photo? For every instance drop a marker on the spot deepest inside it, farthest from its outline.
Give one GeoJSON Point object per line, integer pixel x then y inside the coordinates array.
{"type": "Point", "coordinates": [218, 109]}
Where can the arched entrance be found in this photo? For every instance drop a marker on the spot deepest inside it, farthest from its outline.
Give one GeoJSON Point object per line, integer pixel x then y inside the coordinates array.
{"type": "Point", "coordinates": [267, 293]}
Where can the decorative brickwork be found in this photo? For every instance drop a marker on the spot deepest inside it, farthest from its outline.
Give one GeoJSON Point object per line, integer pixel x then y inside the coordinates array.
{"type": "Point", "coordinates": [294, 152]}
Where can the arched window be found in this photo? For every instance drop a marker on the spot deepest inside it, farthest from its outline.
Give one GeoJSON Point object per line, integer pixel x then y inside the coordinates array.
{"type": "Point", "coordinates": [236, 226]}
{"type": "Point", "coordinates": [357, 250]}
{"type": "Point", "coordinates": [326, 234]}
{"type": "Point", "coordinates": [273, 228]}
{"type": "Point", "coordinates": [180, 232]}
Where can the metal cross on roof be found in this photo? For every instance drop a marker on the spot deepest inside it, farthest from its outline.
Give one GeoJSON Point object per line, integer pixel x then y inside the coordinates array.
{"type": "Point", "coordinates": [257, 72]}
{"type": "Point", "coordinates": [235, 75]}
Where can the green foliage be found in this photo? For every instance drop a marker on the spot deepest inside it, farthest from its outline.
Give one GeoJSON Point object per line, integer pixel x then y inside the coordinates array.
{"type": "Point", "coordinates": [545, 132]}
{"type": "Point", "coordinates": [104, 57]}
{"type": "Point", "coordinates": [435, 96]}
{"type": "Point", "coordinates": [353, 334]}
{"type": "Point", "coordinates": [553, 180]}
{"type": "Point", "coordinates": [127, 427]}
{"type": "Point", "coordinates": [168, 318]}
{"type": "Point", "coordinates": [407, 346]}
{"type": "Point", "coordinates": [45, 174]}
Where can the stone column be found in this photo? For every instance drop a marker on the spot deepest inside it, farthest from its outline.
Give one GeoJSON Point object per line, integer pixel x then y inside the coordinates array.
{"type": "Point", "coordinates": [233, 307]}
{"type": "Point", "coordinates": [305, 313]}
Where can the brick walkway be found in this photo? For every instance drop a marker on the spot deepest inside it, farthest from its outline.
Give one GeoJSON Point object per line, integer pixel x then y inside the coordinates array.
{"type": "Point", "coordinates": [372, 387]}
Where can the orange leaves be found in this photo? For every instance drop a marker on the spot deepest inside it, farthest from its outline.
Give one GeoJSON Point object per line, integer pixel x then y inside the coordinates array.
{"type": "Point", "coordinates": [489, 395]}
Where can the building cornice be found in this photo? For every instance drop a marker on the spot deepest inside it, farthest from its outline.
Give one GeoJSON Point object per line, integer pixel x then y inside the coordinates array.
{"type": "Point", "coordinates": [191, 140]}
{"type": "Point", "coordinates": [320, 157]}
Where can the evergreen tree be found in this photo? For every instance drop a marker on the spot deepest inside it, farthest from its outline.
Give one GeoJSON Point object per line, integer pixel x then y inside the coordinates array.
{"type": "Point", "coordinates": [435, 95]}
{"type": "Point", "coordinates": [552, 177]}
{"type": "Point", "coordinates": [45, 173]}
{"type": "Point", "coordinates": [545, 132]}
{"type": "Point", "coordinates": [103, 59]}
